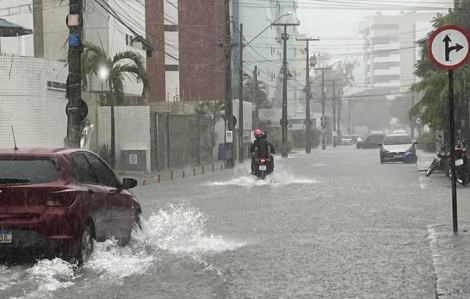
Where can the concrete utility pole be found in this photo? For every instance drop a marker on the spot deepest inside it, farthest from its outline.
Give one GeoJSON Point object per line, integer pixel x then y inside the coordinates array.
{"type": "Point", "coordinates": [230, 163]}
{"type": "Point", "coordinates": [308, 121]}
{"type": "Point", "coordinates": [334, 111]}
{"type": "Point", "coordinates": [323, 99]}
{"type": "Point", "coordinates": [284, 121]}
{"type": "Point", "coordinates": [240, 99]}
{"type": "Point", "coordinates": [74, 89]}
{"type": "Point", "coordinates": [253, 100]}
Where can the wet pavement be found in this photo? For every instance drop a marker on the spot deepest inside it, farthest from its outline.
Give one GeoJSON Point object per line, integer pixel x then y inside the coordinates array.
{"type": "Point", "coordinates": [335, 224]}
{"type": "Point", "coordinates": [450, 251]}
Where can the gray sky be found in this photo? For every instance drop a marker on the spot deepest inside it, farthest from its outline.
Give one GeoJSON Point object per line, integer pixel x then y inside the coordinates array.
{"type": "Point", "coordinates": [336, 22]}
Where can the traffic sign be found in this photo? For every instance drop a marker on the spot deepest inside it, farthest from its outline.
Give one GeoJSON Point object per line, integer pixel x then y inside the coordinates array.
{"type": "Point", "coordinates": [449, 47]}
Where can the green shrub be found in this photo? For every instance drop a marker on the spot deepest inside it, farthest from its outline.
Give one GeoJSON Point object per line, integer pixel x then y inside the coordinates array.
{"type": "Point", "coordinates": [104, 151]}
{"type": "Point", "coordinates": [427, 142]}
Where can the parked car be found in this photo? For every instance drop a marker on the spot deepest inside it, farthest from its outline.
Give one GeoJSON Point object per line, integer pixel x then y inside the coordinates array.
{"type": "Point", "coordinates": [354, 138]}
{"type": "Point", "coordinates": [394, 146]}
{"type": "Point", "coordinates": [371, 141]}
{"type": "Point", "coordinates": [56, 202]}
{"type": "Point", "coordinates": [346, 140]}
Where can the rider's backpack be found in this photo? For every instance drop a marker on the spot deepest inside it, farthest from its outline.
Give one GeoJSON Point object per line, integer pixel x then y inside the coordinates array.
{"type": "Point", "coordinates": [263, 149]}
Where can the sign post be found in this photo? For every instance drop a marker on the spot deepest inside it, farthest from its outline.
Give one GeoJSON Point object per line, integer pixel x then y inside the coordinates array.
{"type": "Point", "coordinates": [448, 48]}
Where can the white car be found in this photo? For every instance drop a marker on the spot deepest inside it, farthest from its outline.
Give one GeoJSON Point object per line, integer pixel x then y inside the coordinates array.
{"type": "Point", "coordinates": [346, 140]}
{"type": "Point", "coordinates": [394, 146]}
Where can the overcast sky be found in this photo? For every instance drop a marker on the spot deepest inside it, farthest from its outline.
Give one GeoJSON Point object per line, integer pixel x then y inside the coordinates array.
{"type": "Point", "coordinates": [336, 22]}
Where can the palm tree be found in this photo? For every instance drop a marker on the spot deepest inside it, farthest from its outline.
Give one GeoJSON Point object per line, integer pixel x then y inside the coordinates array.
{"type": "Point", "coordinates": [127, 63]}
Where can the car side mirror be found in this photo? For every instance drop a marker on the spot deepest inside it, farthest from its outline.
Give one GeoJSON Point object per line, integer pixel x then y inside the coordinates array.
{"type": "Point", "coordinates": [416, 142]}
{"type": "Point", "coordinates": [379, 144]}
{"type": "Point", "coordinates": [128, 183]}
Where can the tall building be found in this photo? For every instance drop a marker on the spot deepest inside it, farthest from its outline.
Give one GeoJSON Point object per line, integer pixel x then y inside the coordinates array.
{"type": "Point", "coordinates": [188, 63]}
{"type": "Point", "coordinates": [390, 50]}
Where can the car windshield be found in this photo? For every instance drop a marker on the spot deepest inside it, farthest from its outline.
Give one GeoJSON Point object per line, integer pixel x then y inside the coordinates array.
{"type": "Point", "coordinates": [399, 139]}
{"type": "Point", "coordinates": [346, 137]}
{"type": "Point", "coordinates": [32, 170]}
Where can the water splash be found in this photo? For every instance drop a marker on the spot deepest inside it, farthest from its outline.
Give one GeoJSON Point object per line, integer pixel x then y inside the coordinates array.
{"type": "Point", "coordinates": [280, 177]}
{"type": "Point", "coordinates": [179, 229]}
{"type": "Point", "coordinates": [182, 229]}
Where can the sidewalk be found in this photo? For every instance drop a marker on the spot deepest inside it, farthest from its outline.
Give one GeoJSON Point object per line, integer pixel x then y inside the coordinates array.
{"type": "Point", "coordinates": [424, 159]}
{"type": "Point", "coordinates": [176, 173]}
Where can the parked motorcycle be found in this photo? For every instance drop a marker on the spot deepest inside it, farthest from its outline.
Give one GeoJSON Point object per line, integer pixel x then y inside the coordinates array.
{"type": "Point", "coordinates": [462, 168]}
{"type": "Point", "coordinates": [441, 159]}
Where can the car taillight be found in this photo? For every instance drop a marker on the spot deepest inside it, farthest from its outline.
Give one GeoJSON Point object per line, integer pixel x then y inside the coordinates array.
{"type": "Point", "coordinates": [60, 199]}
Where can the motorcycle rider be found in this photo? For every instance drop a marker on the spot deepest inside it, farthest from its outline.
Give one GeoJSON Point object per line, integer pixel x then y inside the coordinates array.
{"type": "Point", "coordinates": [272, 150]}
{"type": "Point", "coordinates": [259, 149]}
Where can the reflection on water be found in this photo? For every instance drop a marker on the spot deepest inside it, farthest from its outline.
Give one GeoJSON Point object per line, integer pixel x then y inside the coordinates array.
{"type": "Point", "coordinates": [177, 229]}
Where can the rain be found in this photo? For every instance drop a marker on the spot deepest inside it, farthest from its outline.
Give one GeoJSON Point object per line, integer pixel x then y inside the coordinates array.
{"type": "Point", "coordinates": [234, 149]}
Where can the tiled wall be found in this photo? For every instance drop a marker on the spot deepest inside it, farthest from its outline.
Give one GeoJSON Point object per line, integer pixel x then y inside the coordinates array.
{"type": "Point", "coordinates": [36, 112]}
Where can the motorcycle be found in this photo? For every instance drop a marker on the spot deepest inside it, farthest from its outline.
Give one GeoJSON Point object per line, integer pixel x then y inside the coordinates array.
{"type": "Point", "coordinates": [262, 168]}
{"type": "Point", "coordinates": [441, 160]}
{"type": "Point", "coordinates": [462, 170]}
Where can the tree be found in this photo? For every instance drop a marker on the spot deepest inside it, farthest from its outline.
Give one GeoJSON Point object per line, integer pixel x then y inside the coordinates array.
{"type": "Point", "coordinates": [128, 63]}
{"type": "Point", "coordinates": [434, 83]}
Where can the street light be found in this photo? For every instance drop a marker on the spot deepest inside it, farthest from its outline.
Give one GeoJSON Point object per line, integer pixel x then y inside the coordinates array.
{"type": "Point", "coordinates": [240, 86]}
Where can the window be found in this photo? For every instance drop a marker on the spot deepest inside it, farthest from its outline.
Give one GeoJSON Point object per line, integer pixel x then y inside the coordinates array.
{"type": "Point", "coordinates": [104, 174]}
{"type": "Point", "coordinates": [400, 139]}
{"type": "Point", "coordinates": [129, 39]}
{"type": "Point", "coordinates": [81, 170]}
{"type": "Point", "coordinates": [34, 169]}
{"type": "Point", "coordinates": [385, 26]}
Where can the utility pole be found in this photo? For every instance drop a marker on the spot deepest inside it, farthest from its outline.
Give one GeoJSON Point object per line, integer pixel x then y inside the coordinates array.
{"type": "Point", "coordinates": [323, 99]}
{"type": "Point", "coordinates": [334, 111]}
{"type": "Point", "coordinates": [240, 98]}
{"type": "Point", "coordinates": [308, 121]}
{"type": "Point", "coordinates": [253, 101]}
{"type": "Point", "coordinates": [230, 163]}
{"type": "Point", "coordinates": [284, 121]}
{"type": "Point", "coordinates": [74, 107]}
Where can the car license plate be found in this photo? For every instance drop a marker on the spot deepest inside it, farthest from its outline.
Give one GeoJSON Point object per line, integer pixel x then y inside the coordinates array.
{"type": "Point", "coordinates": [262, 167]}
{"type": "Point", "coordinates": [5, 237]}
{"type": "Point", "coordinates": [458, 162]}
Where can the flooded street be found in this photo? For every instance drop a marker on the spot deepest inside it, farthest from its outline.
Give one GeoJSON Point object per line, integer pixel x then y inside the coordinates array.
{"type": "Point", "coordinates": [333, 224]}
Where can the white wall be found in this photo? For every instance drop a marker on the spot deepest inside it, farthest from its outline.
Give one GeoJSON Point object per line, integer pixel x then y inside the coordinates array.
{"type": "Point", "coordinates": [36, 112]}
{"type": "Point", "coordinates": [132, 129]}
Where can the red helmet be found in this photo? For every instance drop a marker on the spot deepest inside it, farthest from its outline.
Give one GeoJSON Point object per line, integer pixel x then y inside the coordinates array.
{"type": "Point", "coordinates": [257, 133]}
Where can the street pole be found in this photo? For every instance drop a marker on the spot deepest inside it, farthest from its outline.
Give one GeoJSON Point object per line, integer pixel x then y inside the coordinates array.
{"type": "Point", "coordinates": [240, 99]}
{"type": "Point", "coordinates": [74, 88]}
{"type": "Point", "coordinates": [308, 121]}
{"type": "Point", "coordinates": [284, 121]}
{"type": "Point", "coordinates": [254, 102]}
{"type": "Point", "coordinates": [334, 111]}
{"type": "Point", "coordinates": [452, 150]}
{"type": "Point", "coordinates": [323, 120]}
{"type": "Point", "coordinates": [230, 163]}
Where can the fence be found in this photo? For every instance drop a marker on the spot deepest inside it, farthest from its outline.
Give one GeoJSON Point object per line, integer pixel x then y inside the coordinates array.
{"type": "Point", "coordinates": [179, 140]}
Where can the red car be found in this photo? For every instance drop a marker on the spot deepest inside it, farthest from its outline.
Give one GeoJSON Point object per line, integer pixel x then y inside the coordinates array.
{"type": "Point", "coordinates": [55, 202]}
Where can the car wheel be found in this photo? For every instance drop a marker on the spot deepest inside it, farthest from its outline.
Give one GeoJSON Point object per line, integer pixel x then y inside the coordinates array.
{"type": "Point", "coordinates": [85, 247]}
